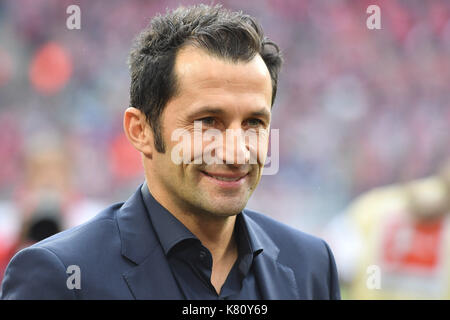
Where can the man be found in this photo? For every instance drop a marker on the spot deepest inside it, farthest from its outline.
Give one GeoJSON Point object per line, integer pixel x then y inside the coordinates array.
{"type": "Point", "coordinates": [185, 233]}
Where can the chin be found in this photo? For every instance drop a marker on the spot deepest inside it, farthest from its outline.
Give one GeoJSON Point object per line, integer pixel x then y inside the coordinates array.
{"type": "Point", "coordinates": [226, 209]}
{"type": "Point", "coordinates": [218, 205]}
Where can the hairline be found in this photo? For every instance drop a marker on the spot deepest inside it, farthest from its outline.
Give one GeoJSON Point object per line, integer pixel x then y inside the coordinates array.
{"type": "Point", "coordinates": [192, 45]}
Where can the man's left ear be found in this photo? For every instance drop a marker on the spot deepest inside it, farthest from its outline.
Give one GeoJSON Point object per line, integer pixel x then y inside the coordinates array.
{"type": "Point", "coordinates": [138, 131]}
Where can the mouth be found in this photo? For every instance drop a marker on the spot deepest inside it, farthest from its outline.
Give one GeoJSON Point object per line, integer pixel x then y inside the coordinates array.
{"type": "Point", "coordinates": [226, 179]}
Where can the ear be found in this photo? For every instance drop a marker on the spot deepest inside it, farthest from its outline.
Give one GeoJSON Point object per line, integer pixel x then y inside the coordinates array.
{"type": "Point", "coordinates": [138, 131]}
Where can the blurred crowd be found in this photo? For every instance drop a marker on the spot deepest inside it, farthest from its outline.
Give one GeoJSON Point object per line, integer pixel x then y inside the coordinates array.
{"type": "Point", "coordinates": [356, 108]}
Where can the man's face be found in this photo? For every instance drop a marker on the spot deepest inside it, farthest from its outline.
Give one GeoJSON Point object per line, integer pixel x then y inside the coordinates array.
{"type": "Point", "coordinates": [221, 95]}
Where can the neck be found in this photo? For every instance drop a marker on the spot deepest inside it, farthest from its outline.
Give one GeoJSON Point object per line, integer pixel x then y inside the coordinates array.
{"type": "Point", "coordinates": [214, 232]}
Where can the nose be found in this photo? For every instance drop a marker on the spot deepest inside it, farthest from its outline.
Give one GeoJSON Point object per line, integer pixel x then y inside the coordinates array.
{"type": "Point", "coordinates": [233, 146]}
{"type": "Point", "coordinates": [238, 146]}
{"type": "Point", "coordinates": [235, 149]}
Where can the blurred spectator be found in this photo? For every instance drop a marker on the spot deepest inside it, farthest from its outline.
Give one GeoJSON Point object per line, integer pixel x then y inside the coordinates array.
{"type": "Point", "coordinates": [404, 231]}
{"type": "Point", "coordinates": [44, 222]}
{"type": "Point", "coordinates": [45, 202]}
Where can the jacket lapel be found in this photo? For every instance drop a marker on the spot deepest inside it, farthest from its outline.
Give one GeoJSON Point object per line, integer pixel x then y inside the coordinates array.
{"type": "Point", "coordinates": [151, 277]}
{"type": "Point", "coordinates": [148, 282]}
{"type": "Point", "coordinates": [276, 281]}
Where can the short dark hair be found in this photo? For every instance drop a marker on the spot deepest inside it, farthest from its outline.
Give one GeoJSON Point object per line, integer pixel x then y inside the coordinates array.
{"type": "Point", "coordinates": [229, 35]}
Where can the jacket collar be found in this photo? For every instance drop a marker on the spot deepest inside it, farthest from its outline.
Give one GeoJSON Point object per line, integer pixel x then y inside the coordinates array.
{"type": "Point", "coordinates": [135, 228]}
{"type": "Point", "coordinates": [276, 281]}
{"type": "Point", "coordinates": [150, 278]}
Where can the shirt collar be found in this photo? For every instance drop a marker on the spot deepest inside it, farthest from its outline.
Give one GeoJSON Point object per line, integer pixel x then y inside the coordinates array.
{"type": "Point", "coordinates": [171, 231]}
{"type": "Point", "coordinates": [247, 243]}
{"type": "Point", "coordinates": [250, 234]}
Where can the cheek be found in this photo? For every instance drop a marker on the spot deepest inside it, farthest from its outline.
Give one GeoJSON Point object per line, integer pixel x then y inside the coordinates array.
{"type": "Point", "coordinates": [165, 167]}
{"type": "Point", "coordinates": [261, 147]}
{"type": "Point", "coordinates": [264, 150]}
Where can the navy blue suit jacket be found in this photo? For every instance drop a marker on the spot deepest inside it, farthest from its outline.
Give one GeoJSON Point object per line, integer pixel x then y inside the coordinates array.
{"type": "Point", "coordinates": [120, 257]}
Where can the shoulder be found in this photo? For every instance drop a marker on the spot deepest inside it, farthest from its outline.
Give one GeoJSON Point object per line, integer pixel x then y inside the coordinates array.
{"type": "Point", "coordinates": [45, 264]}
{"type": "Point", "coordinates": [87, 235]}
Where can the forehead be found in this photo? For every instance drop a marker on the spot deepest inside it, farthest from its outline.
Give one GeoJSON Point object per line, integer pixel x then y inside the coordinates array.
{"type": "Point", "coordinates": [198, 71]}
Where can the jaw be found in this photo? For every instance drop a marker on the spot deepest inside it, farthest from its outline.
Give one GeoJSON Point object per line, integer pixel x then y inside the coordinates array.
{"type": "Point", "coordinates": [224, 199]}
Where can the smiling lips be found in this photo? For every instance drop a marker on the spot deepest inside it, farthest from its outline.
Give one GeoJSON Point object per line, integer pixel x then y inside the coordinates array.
{"type": "Point", "coordinates": [226, 177]}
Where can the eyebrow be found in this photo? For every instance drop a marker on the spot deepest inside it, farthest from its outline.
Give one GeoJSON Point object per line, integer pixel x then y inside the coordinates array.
{"type": "Point", "coordinates": [261, 113]}
{"type": "Point", "coordinates": [219, 111]}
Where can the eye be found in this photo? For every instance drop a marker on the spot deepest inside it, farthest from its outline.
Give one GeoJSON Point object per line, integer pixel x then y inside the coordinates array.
{"type": "Point", "coordinates": [255, 122]}
{"type": "Point", "coordinates": [207, 121]}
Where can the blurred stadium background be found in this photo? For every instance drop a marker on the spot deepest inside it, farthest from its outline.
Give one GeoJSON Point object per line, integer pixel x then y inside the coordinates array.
{"type": "Point", "coordinates": [357, 109]}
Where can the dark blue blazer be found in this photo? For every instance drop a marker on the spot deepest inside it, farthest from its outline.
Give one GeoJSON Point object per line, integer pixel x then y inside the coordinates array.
{"type": "Point", "coordinates": [120, 257]}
